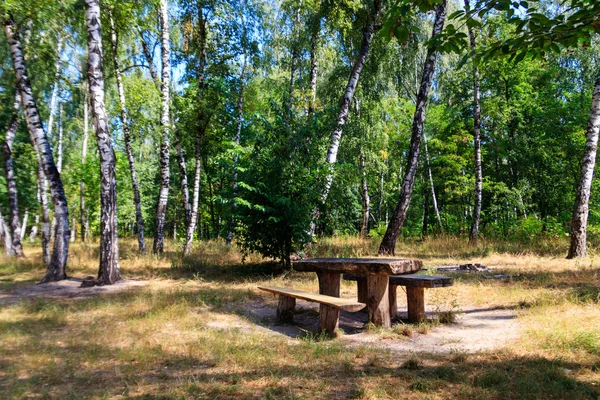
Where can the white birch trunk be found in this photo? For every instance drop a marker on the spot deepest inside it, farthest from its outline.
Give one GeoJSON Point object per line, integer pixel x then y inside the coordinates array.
{"type": "Point", "coordinates": [11, 185]}
{"type": "Point", "coordinates": [474, 233]}
{"type": "Point", "coordinates": [108, 272]}
{"type": "Point", "coordinates": [84, 144]}
{"type": "Point", "coordinates": [55, 86]}
{"type": "Point", "coordinates": [388, 244]}
{"type": "Point", "coordinates": [578, 247]}
{"type": "Point", "coordinates": [127, 139]}
{"type": "Point", "coordinates": [163, 196]}
{"type": "Point", "coordinates": [202, 124]}
{"type": "Point", "coordinates": [57, 266]}
{"type": "Point", "coordinates": [24, 225]}
{"type": "Point", "coordinates": [433, 195]}
{"type": "Point", "coordinates": [5, 237]}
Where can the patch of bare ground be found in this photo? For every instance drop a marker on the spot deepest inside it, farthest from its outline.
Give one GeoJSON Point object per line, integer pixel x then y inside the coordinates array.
{"type": "Point", "coordinates": [475, 329]}
{"type": "Point", "coordinates": [68, 288]}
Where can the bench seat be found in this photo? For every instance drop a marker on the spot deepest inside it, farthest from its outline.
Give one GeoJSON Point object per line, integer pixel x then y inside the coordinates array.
{"type": "Point", "coordinates": [330, 306]}
{"type": "Point", "coordinates": [415, 291]}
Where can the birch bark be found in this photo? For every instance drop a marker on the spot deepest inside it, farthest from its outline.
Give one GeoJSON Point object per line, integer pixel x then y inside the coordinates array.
{"type": "Point", "coordinates": [127, 137]}
{"type": "Point", "coordinates": [474, 234]}
{"type": "Point", "coordinates": [203, 119]}
{"type": "Point", "coordinates": [578, 247]}
{"type": "Point", "coordinates": [336, 135]}
{"type": "Point", "coordinates": [388, 244]}
{"type": "Point", "coordinates": [108, 271]}
{"type": "Point", "coordinates": [57, 266]}
{"type": "Point", "coordinates": [11, 185]}
{"type": "Point", "coordinates": [163, 196]}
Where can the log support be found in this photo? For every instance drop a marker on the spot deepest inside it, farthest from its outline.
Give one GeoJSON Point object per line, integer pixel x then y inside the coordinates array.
{"type": "Point", "coordinates": [416, 304]}
{"type": "Point", "coordinates": [329, 317]}
{"type": "Point", "coordinates": [363, 290]}
{"type": "Point", "coordinates": [285, 309]}
{"type": "Point", "coordinates": [378, 302]}
{"type": "Point", "coordinates": [393, 301]}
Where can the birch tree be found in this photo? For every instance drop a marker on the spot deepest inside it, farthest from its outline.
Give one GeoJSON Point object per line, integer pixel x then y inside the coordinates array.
{"type": "Point", "coordinates": [336, 135]}
{"type": "Point", "coordinates": [9, 171]}
{"type": "Point", "coordinates": [203, 120]}
{"type": "Point", "coordinates": [108, 272]}
{"type": "Point", "coordinates": [163, 196]}
{"type": "Point", "coordinates": [388, 244]}
{"type": "Point", "coordinates": [127, 137]}
{"type": "Point", "coordinates": [578, 247]}
{"type": "Point", "coordinates": [474, 234]}
{"type": "Point", "coordinates": [57, 267]}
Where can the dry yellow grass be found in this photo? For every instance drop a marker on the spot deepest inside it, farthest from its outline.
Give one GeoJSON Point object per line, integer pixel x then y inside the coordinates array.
{"type": "Point", "coordinates": [184, 335]}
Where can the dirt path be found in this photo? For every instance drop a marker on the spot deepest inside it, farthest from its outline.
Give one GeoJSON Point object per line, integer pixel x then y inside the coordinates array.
{"type": "Point", "coordinates": [474, 330]}
{"type": "Point", "coordinates": [68, 288]}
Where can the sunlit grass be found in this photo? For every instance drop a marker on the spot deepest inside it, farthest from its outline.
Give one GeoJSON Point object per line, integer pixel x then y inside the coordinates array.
{"type": "Point", "coordinates": [185, 333]}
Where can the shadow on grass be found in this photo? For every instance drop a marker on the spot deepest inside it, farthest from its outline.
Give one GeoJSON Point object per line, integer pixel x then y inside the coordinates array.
{"type": "Point", "coordinates": [306, 370]}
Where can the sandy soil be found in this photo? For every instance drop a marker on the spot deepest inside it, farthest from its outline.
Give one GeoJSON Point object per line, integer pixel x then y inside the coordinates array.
{"type": "Point", "coordinates": [475, 329]}
{"type": "Point", "coordinates": [68, 288]}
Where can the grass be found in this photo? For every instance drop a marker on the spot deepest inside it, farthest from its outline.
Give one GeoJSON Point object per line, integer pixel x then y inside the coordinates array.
{"type": "Point", "coordinates": [186, 334]}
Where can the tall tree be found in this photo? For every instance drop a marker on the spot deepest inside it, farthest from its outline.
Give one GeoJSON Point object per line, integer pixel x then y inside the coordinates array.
{"type": "Point", "coordinates": [114, 41]}
{"type": "Point", "coordinates": [108, 272]}
{"type": "Point", "coordinates": [203, 119]}
{"type": "Point", "coordinates": [388, 244]}
{"type": "Point", "coordinates": [473, 235]}
{"type": "Point", "coordinates": [84, 145]}
{"type": "Point", "coordinates": [57, 267]}
{"type": "Point", "coordinates": [578, 247]}
{"type": "Point", "coordinates": [357, 67]}
{"type": "Point", "coordinates": [163, 196]}
{"type": "Point", "coordinates": [9, 171]}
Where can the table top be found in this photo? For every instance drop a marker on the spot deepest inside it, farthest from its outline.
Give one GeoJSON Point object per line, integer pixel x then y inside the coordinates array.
{"type": "Point", "coordinates": [385, 266]}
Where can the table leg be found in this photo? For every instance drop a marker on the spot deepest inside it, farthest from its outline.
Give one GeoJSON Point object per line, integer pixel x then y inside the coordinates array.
{"type": "Point", "coordinates": [378, 301]}
{"type": "Point", "coordinates": [329, 317]}
{"type": "Point", "coordinates": [363, 292]}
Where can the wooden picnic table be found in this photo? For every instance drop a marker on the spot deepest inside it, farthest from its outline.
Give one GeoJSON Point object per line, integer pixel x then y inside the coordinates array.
{"type": "Point", "coordinates": [377, 271]}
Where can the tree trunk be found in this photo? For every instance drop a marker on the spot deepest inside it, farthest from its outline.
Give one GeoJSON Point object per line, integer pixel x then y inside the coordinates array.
{"type": "Point", "coordinates": [149, 58]}
{"type": "Point", "coordinates": [336, 135]}
{"type": "Point", "coordinates": [388, 244]}
{"type": "Point", "coordinates": [108, 272]}
{"type": "Point", "coordinates": [5, 237]}
{"type": "Point", "coordinates": [185, 191]}
{"type": "Point", "coordinates": [59, 161]}
{"type": "Point", "coordinates": [474, 234]}
{"type": "Point", "coordinates": [314, 38]}
{"type": "Point", "coordinates": [34, 229]}
{"type": "Point", "coordinates": [366, 209]}
{"type": "Point", "coordinates": [43, 197]}
{"type": "Point", "coordinates": [82, 213]}
{"type": "Point", "coordinates": [11, 185]}
{"type": "Point", "coordinates": [433, 196]}
{"type": "Point", "coordinates": [578, 246]}
{"type": "Point", "coordinates": [24, 224]}
{"type": "Point", "coordinates": [57, 266]}
{"type": "Point", "coordinates": [202, 124]}
{"type": "Point", "coordinates": [163, 197]}
{"type": "Point", "coordinates": [55, 86]}
{"type": "Point", "coordinates": [127, 138]}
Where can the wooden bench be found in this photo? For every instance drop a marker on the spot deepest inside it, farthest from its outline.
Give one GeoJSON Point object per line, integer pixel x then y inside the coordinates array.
{"type": "Point", "coordinates": [329, 313]}
{"type": "Point", "coordinates": [415, 291]}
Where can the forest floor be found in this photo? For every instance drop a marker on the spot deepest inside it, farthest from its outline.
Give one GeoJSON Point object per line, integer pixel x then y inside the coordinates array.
{"type": "Point", "coordinates": [198, 328]}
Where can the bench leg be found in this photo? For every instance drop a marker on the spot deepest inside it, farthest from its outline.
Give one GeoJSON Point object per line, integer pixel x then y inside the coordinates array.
{"type": "Point", "coordinates": [285, 308]}
{"type": "Point", "coordinates": [415, 297]}
{"type": "Point", "coordinates": [378, 302]}
{"type": "Point", "coordinates": [393, 301]}
{"type": "Point", "coordinates": [363, 291]}
{"type": "Point", "coordinates": [329, 319]}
